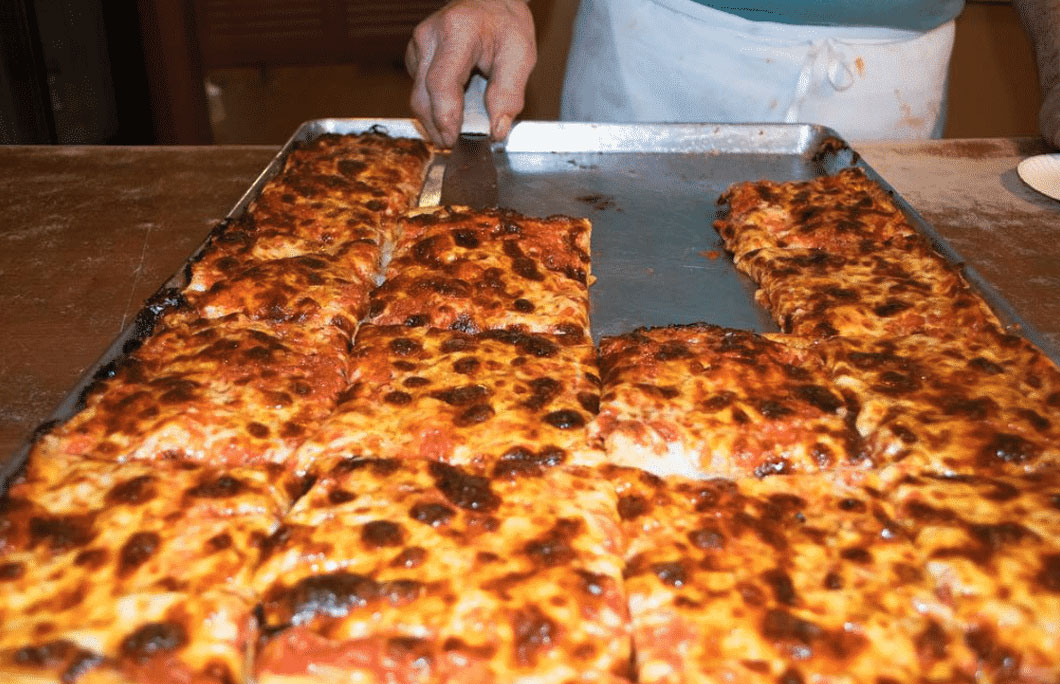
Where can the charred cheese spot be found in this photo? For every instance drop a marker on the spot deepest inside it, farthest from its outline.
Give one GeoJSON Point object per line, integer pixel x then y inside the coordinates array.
{"type": "Point", "coordinates": [61, 532]}
{"type": "Point", "coordinates": [707, 538]}
{"type": "Point", "coordinates": [1003, 661]}
{"type": "Point", "coordinates": [11, 571]}
{"type": "Point", "coordinates": [780, 582]}
{"type": "Point", "coordinates": [473, 415]}
{"type": "Point", "coordinates": [219, 542]}
{"type": "Point", "coordinates": [136, 551]}
{"type": "Point", "coordinates": [853, 505]}
{"type": "Point", "coordinates": [220, 487]}
{"type": "Point", "coordinates": [671, 350]}
{"type": "Point", "coordinates": [1048, 576]}
{"type": "Point", "coordinates": [465, 238]}
{"type": "Point", "coordinates": [667, 392]}
{"type": "Point", "coordinates": [483, 652]}
{"type": "Point", "coordinates": [154, 638]}
{"type": "Point", "coordinates": [542, 391]}
{"type": "Point", "coordinates": [534, 633]}
{"type": "Point", "coordinates": [773, 409]}
{"type": "Point", "coordinates": [985, 366]}
{"type": "Point", "coordinates": [554, 548]}
{"type": "Point", "coordinates": [1007, 448]}
{"type": "Point", "coordinates": [891, 307]}
{"type": "Point", "coordinates": [397, 398]}
{"type": "Point", "coordinates": [340, 496]}
{"type": "Point", "coordinates": [61, 654]}
{"type": "Point", "coordinates": [412, 557]}
{"type": "Point", "coordinates": [819, 397]}
{"type": "Point", "coordinates": [672, 573]}
{"type": "Point", "coordinates": [466, 365]}
{"type": "Point", "coordinates": [833, 581]}
{"type": "Point", "coordinates": [93, 559]}
{"type": "Point", "coordinates": [590, 402]}
{"type": "Point", "coordinates": [331, 595]}
{"type": "Point", "coordinates": [433, 514]}
{"type": "Point", "coordinates": [565, 419]}
{"type": "Point", "coordinates": [403, 346]}
{"type": "Point", "coordinates": [138, 490]}
{"type": "Point", "coordinates": [415, 381]}
{"type": "Point", "coordinates": [523, 305]}
{"type": "Point", "coordinates": [931, 644]}
{"type": "Point", "coordinates": [463, 489]}
{"type": "Point", "coordinates": [379, 533]}
{"type": "Point", "coordinates": [258, 430]}
{"type": "Point", "coordinates": [893, 383]}
{"type": "Point", "coordinates": [455, 344]}
{"type": "Point", "coordinates": [521, 460]}
{"type": "Point", "coordinates": [631, 506]}
{"type": "Point", "coordinates": [292, 430]}
{"type": "Point", "coordinates": [463, 395]}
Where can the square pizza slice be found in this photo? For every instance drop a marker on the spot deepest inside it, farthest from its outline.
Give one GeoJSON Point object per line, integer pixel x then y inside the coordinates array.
{"type": "Point", "coordinates": [226, 391]}
{"type": "Point", "coordinates": [316, 291]}
{"type": "Point", "coordinates": [485, 270]}
{"type": "Point", "coordinates": [374, 159]}
{"type": "Point", "coordinates": [420, 571]}
{"type": "Point", "coordinates": [699, 400]}
{"type": "Point", "coordinates": [138, 572]}
{"type": "Point", "coordinates": [846, 213]}
{"type": "Point", "coordinates": [461, 398]}
{"type": "Point", "coordinates": [355, 242]}
{"type": "Point", "coordinates": [792, 579]}
{"type": "Point", "coordinates": [992, 546]}
{"type": "Point", "coordinates": [972, 403]}
{"type": "Point", "coordinates": [901, 288]}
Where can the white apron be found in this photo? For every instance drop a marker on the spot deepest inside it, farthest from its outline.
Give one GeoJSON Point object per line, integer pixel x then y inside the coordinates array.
{"type": "Point", "coordinates": [677, 60]}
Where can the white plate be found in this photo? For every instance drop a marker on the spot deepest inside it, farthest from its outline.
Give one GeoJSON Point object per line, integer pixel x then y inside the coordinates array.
{"type": "Point", "coordinates": [1042, 173]}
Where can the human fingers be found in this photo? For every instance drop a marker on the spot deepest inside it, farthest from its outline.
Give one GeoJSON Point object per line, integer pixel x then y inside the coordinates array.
{"type": "Point", "coordinates": [419, 99]}
{"type": "Point", "coordinates": [446, 76]}
{"type": "Point", "coordinates": [513, 60]}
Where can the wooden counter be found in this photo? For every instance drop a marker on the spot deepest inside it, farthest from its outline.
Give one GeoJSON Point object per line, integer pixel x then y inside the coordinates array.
{"type": "Point", "coordinates": [86, 234]}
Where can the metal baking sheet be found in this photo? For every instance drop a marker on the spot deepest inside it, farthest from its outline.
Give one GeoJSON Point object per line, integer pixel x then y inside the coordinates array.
{"type": "Point", "coordinates": [651, 192]}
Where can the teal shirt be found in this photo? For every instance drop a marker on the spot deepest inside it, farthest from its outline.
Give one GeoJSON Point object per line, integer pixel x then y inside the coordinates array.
{"type": "Point", "coordinates": [916, 15]}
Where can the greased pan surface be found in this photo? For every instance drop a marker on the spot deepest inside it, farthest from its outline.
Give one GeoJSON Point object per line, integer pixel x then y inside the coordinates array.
{"type": "Point", "coordinates": [651, 192]}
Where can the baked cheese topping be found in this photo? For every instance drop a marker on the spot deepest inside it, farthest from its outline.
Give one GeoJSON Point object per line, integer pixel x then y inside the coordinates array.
{"type": "Point", "coordinates": [231, 390]}
{"type": "Point", "coordinates": [791, 579]}
{"type": "Point", "coordinates": [842, 214]}
{"type": "Point", "coordinates": [699, 400]}
{"type": "Point", "coordinates": [133, 572]}
{"type": "Point", "coordinates": [992, 548]}
{"type": "Point", "coordinates": [486, 270]}
{"type": "Point", "coordinates": [461, 398]}
{"type": "Point", "coordinates": [416, 570]}
{"type": "Point", "coordinates": [266, 490]}
{"type": "Point", "coordinates": [900, 289]}
{"type": "Point", "coordinates": [971, 404]}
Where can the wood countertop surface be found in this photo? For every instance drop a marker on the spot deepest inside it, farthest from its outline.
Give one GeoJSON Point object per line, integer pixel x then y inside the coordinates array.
{"type": "Point", "coordinates": [88, 233]}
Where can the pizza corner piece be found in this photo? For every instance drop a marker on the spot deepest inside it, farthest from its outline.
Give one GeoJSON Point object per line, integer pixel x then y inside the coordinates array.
{"type": "Point", "coordinates": [799, 578]}
{"type": "Point", "coordinates": [134, 572]}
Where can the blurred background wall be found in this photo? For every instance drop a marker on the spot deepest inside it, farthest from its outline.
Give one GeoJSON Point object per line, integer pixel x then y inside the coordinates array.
{"type": "Point", "coordinates": [249, 71]}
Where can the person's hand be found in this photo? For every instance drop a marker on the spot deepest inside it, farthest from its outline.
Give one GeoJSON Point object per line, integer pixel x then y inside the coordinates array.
{"type": "Point", "coordinates": [1049, 116]}
{"type": "Point", "coordinates": [494, 36]}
